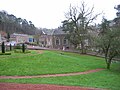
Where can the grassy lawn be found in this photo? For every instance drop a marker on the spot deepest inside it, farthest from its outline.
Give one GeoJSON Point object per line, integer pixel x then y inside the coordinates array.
{"type": "Point", "coordinates": [107, 79]}
{"type": "Point", "coordinates": [51, 62]}
{"type": "Point", "coordinates": [47, 63]}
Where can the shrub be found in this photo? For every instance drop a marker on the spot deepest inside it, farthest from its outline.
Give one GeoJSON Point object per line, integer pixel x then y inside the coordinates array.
{"type": "Point", "coordinates": [5, 53]}
{"type": "Point", "coordinates": [23, 48]}
{"type": "Point", "coordinates": [3, 47]}
{"type": "Point", "coordinates": [20, 51]}
{"type": "Point", "coordinates": [17, 47]}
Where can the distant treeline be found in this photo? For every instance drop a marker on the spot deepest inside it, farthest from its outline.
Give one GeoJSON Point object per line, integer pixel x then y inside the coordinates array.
{"type": "Point", "coordinates": [9, 23]}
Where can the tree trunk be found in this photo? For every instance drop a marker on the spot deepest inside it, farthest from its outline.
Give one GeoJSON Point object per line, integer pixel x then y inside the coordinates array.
{"type": "Point", "coordinates": [108, 65]}
{"type": "Point", "coordinates": [83, 50]}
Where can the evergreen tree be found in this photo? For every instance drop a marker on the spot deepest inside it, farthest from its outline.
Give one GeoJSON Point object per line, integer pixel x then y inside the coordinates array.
{"type": "Point", "coordinates": [3, 47]}
{"type": "Point", "coordinates": [23, 48]}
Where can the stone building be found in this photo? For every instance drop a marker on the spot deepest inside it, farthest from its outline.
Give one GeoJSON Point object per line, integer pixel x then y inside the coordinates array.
{"type": "Point", "coordinates": [0, 38]}
{"type": "Point", "coordinates": [55, 38]}
{"type": "Point", "coordinates": [21, 38]}
{"type": "Point", "coordinates": [3, 36]}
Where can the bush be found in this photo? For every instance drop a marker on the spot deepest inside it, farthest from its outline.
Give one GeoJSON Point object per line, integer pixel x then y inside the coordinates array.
{"type": "Point", "coordinates": [20, 51]}
{"type": "Point", "coordinates": [5, 53]}
{"type": "Point", "coordinates": [23, 48]}
{"type": "Point", "coordinates": [3, 47]}
{"type": "Point", "coordinates": [17, 47]}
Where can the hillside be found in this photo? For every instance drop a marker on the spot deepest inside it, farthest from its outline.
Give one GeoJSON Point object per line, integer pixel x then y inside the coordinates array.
{"type": "Point", "coordinates": [9, 23]}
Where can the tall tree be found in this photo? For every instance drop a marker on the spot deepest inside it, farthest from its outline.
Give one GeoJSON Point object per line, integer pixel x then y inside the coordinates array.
{"type": "Point", "coordinates": [109, 42]}
{"type": "Point", "coordinates": [71, 36]}
{"type": "Point", "coordinates": [79, 19]}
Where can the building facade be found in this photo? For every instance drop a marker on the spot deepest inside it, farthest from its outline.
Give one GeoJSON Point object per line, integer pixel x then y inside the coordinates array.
{"type": "Point", "coordinates": [55, 38]}
{"type": "Point", "coordinates": [21, 38]}
{"type": "Point", "coordinates": [3, 36]}
{"type": "Point", "coordinates": [0, 38]}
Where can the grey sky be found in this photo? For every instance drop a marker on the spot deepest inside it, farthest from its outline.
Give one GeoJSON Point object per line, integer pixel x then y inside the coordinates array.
{"type": "Point", "coordinates": [50, 13]}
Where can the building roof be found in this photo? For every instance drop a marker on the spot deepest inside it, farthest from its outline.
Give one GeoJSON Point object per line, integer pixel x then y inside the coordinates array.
{"type": "Point", "coordinates": [47, 31]}
{"type": "Point", "coordinates": [58, 31]}
{"type": "Point", "coordinates": [15, 34]}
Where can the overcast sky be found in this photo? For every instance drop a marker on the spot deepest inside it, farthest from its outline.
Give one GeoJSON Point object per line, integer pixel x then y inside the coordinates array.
{"type": "Point", "coordinates": [50, 13]}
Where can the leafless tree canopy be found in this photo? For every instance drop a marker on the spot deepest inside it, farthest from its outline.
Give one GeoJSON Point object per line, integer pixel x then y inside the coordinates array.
{"type": "Point", "coordinates": [80, 17]}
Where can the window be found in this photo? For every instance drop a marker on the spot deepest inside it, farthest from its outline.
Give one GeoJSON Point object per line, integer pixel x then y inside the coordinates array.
{"type": "Point", "coordinates": [30, 39]}
{"type": "Point", "coordinates": [57, 41]}
{"type": "Point", "coordinates": [42, 42]}
{"type": "Point", "coordinates": [65, 41]}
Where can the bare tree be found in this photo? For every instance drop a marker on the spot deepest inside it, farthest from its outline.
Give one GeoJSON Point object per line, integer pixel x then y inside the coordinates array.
{"type": "Point", "coordinates": [80, 17]}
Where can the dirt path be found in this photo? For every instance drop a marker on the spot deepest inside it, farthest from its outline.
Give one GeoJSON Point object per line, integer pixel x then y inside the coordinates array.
{"type": "Point", "coordinates": [14, 86]}
{"type": "Point", "coordinates": [50, 75]}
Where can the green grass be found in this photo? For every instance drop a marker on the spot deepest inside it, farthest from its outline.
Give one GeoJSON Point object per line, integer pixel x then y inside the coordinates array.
{"type": "Point", "coordinates": [47, 63]}
{"type": "Point", "coordinates": [51, 62]}
{"type": "Point", "coordinates": [107, 79]}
